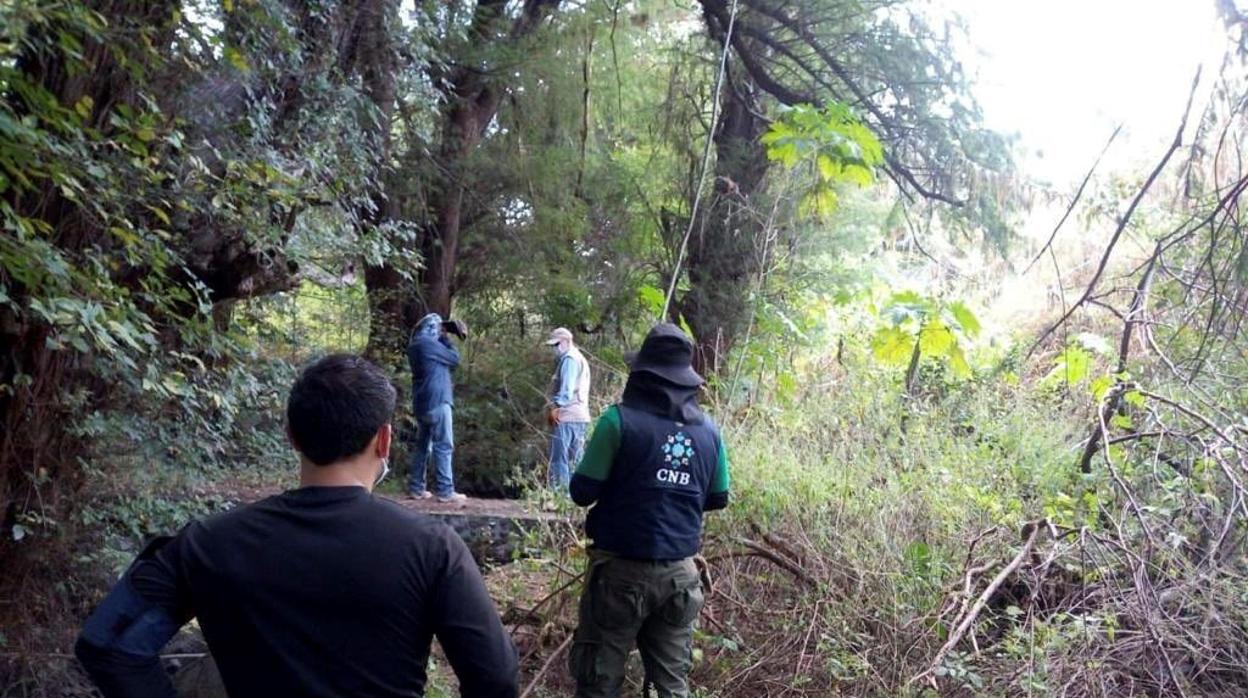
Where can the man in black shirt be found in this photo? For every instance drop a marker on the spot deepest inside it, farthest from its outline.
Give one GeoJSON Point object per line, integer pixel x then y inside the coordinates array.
{"type": "Point", "coordinates": [325, 590]}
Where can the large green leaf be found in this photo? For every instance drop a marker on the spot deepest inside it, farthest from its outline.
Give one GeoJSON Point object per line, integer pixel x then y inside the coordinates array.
{"type": "Point", "coordinates": [1071, 366]}
{"type": "Point", "coordinates": [935, 339]}
{"type": "Point", "coordinates": [892, 345]}
{"type": "Point", "coordinates": [958, 363]}
{"type": "Point", "coordinates": [651, 299]}
{"type": "Point", "coordinates": [966, 319]}
{"type": "Point", "coordinates": [831, 139]}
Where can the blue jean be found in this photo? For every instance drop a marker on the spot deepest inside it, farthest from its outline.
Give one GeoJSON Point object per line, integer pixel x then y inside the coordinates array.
{"type": "Point", "coordinates": [434, 436]}
{"type": "Point", "coordinates": [567, 445]}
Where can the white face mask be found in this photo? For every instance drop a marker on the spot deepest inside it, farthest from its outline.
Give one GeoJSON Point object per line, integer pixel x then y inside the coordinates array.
{"type": "Point", "coordinates": [383, 472]}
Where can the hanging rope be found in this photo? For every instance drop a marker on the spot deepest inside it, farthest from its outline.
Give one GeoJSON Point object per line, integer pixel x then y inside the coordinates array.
{"type": "Point", "coordinates": [706, 160]}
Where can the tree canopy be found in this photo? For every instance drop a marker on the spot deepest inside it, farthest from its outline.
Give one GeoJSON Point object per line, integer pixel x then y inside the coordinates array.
{"type": "Point", "coordinates": [196, 196]}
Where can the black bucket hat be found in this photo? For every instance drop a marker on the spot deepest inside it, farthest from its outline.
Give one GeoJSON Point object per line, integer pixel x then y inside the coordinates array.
{"type": "Point", "coordinates": [667, 352]}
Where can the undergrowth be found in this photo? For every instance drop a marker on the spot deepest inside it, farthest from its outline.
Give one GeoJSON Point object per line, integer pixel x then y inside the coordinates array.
{"type": "Point", "coordinates": [941, 541]}
{"type": "Point", "coordinates": [868, 529]}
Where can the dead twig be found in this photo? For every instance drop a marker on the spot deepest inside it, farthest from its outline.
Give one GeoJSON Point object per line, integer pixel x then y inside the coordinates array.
{"type": "Point", "coordinates": [788, 565]}
{"type": "Point", "coordinates": [969, 618]}
{"type": "Point", "coordinates": [546, 666]}
{"type": "Point", "coordinates": [1075, 201]}
{"type": "Point", "coordinates": [1124, 221]}
{"type": "Point", "coordinates": [532, 612]}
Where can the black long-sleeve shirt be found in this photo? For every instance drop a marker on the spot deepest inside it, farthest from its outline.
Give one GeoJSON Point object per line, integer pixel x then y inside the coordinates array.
{"type": "Point", "coordinates": [320, 591]}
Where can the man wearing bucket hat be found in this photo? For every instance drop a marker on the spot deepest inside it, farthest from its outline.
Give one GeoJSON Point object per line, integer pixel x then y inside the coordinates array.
{"type": "Point", "coordinates": [654, 465]}
{"type": "Point", "coordinates": [567, 406]}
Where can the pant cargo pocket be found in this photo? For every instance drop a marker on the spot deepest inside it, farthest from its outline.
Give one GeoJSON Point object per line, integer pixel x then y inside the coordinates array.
{"type": "Point", "coordinates": [582, 662]}
{"type": "Point", "coordinates": [683, 607]}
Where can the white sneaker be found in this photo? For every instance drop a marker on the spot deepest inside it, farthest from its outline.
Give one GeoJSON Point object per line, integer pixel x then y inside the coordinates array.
{"type": "Point", "coordinates": [453, 498]}
{"type": "Point", "coordinates": [421, 495]}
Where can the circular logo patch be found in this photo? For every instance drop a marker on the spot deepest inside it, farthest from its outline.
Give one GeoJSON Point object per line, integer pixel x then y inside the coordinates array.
{"type": "Point", "coordinates": [678, 450]}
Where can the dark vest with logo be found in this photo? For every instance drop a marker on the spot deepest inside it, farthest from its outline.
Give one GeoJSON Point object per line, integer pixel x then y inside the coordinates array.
{"type": "Point", "coordinates": [652, 502]}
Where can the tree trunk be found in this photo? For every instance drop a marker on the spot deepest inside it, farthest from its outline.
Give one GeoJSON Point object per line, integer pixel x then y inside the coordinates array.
{"type": "Point", "coordinates": [438, 278]}
{"type": "Point", "coordinates": [466, 124]}
{"type": "Point", "coordinates": [38, 451]}
{"type": "Point", "coordinates": [399, 305]}
{"type": "Point", "coordinates": [473, 94]}
{"type": "Point", "coordinates": [377, 59]}
{"type": "Point", "coordinates": [133, 56]}
{"type": "Point", "coordinates": [723, 254]}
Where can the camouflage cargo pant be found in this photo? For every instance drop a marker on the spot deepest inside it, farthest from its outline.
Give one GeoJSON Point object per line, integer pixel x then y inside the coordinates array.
{"type": "Point", "coordinates": [627, 603]}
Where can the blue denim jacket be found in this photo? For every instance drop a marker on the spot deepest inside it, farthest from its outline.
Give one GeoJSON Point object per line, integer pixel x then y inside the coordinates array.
{"type": "Point", "coordinates": [432, 358]}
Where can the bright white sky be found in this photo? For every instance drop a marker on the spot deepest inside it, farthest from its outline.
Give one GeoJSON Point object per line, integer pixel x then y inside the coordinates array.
{"type": "Point", "coordinates": [1063, 73]}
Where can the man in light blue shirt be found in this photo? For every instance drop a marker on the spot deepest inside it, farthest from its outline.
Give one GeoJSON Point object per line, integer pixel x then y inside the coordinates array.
{"type": "Point", "coordinates": [568, 407]}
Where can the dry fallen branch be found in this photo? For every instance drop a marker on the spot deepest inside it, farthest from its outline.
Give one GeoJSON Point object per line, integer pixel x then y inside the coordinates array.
{"type": "Point", "coordinates": [531, 614]}
{"type": "Point", "coordinates": [968, 618]}
{"type": "Point", "coordinates": [778, 558]}
{"type": "Point", "coordinates": [537, 678]}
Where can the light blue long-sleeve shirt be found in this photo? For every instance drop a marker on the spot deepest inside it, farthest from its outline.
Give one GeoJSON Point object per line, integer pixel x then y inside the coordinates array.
{"type": "Point", "coordinates": [569, 377]}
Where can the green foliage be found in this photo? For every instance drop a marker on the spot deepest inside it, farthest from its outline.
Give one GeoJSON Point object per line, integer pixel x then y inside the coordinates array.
{"type": "Point", "coordinates": [109, 169]}
{"type": "Point", "coordinates": [129, 226]}
{"type": "Point", "coordinates": [188, 200]}
{"type": "Point", "coordinates": [831, 143]}
{"type": "Point", "coordinates": [310, 318]}
{"type": "Point", "coordinates": [128, 523]}
{"type": "Point", "coordinates": [1075, 363]}
{"type": "Point", "coordinates": [985, 453]}
{"type": "Point", "coordinates": [651, 300]}
{"type": "Point", "coordinates": [933, 328]}
{"type": "Point", "coordinates": [828, 466]}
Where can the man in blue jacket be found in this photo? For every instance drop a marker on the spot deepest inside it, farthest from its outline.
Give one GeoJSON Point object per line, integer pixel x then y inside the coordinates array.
{"type": "Point", "coordinates": [432, 357]}
{"type": "Point", "coordinates": [654, 464]}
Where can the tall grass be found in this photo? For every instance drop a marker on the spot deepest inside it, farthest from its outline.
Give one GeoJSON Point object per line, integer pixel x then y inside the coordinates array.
{"type": "Point", "coordinates": [873, 497]}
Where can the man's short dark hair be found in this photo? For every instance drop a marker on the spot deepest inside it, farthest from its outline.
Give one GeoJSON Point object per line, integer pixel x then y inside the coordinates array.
{"type": "Point", "coordinates": [336, 407]}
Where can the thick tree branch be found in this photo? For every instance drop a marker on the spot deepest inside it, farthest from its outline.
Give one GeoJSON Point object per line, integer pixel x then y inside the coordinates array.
{"type": "Point", "coordinates": [901, 172]}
